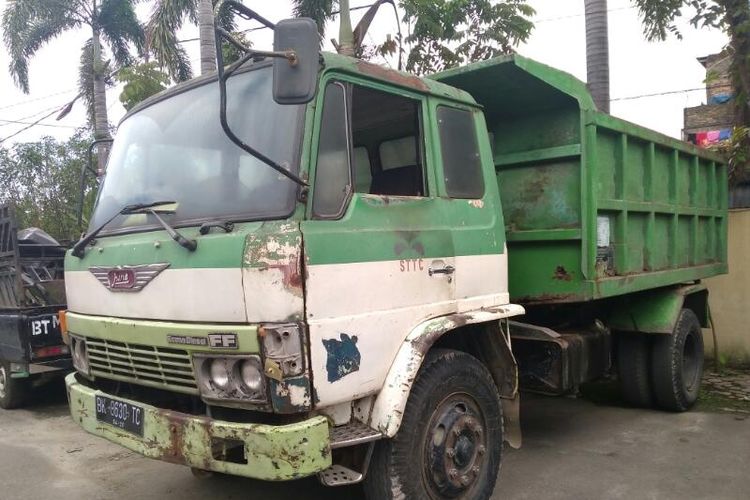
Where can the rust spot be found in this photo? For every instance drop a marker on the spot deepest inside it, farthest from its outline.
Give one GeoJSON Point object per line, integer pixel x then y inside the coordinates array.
{"type": "Point", "coordinates": [291, 274]}
{"type": "Point", "coordinates": [545, 298]}
{"type": "Point", "coordinates": [397, 77]}
{"type": "Point", "coordinates": [562, 275]}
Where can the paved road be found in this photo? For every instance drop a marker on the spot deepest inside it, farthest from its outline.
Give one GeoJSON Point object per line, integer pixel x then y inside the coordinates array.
{"type": "Point", "coordinates": [573, 450]}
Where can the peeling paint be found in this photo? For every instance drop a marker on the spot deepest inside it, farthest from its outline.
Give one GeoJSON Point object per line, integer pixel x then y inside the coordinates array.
{"type": "Point", "coordinates": [343, 357]}
{"type": "Point", "coordinates": [389, 406]}
{"type": "Point", "coordinates": [271, 452]}
{"type": "Point", "coordinates": [291, 395]}
{"type": "Point", "coordinates": [397, 77]}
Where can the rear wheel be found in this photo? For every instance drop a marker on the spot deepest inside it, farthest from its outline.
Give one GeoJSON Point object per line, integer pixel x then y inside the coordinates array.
{"type": "Point", "coordinates": [677, 364]}
{"type": "Point", "coordinates": [12, 390]}
{"type": "Point", "coordinates": [633, 369]}
{"type": "Point", "coordinates": [450, 441]}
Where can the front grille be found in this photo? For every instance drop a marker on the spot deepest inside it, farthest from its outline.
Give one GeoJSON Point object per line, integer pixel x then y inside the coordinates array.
{"type": "Point", "coordinates": [151, 366]}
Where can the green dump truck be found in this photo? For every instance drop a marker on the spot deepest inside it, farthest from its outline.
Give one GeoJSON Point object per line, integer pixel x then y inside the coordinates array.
{"type": "Point", "coordinates": [312, 265]}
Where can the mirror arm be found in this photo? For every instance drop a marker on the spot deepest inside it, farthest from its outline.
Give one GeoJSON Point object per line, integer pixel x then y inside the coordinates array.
{"type": "Point", "coordinates": [241, 10]}
{"type": "Point", "coordinates": [224, 74]}
{"type": "Point", "coordinates": [90, 168]}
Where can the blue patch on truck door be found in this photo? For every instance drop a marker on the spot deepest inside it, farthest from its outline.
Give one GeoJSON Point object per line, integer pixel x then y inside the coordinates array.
{"type": "Point", "coordinates": [343, 357]}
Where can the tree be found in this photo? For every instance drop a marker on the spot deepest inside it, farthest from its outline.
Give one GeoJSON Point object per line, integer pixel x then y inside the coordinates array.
{"type": "Point", "coordinates": [42, 178]}
{"type": "Point", "coordinates": [141, 82]}
{"type": "Point", "coordinates": [442, 33]}
{"type": "Point", "coordinates": [733, 17]}
{"type": "Point", "coordinates": [597, 52]}
{"type": "Point", "coordinates": [167, 18]}
{"type": "Point", "coordinates": [448, 33]}
{"type": "Point", "coordinates": [28, 25]}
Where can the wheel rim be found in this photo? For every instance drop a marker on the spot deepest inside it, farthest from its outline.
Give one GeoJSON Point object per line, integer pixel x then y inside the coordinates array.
{"type": "Point", "coordinates": [3, 381]}
{"type": "Point", "coordinates": [690, 361]}
{"type": "Point", "coordinates": [455, 447]}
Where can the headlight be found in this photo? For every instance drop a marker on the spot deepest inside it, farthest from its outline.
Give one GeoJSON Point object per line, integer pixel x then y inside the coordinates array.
{"type": "Point", "coordinates": [80, 355]}
{"type": "Point", "coordinates": [230, 378]}
{"type": "Point", "coordinates": [252, 376]}
{"type": "Point", "coordinates": [219, 374]}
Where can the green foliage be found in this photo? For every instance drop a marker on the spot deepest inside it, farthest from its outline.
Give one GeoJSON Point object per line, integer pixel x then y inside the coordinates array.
{"type": "Point", "coordinates": [320, 11]}
{"type": "Point", "coordinates": [42, 179]}
{"type": "Point", "coordinates": [166, 19]}
{"type": "Point", "coordinates": [141, 82]}
{"type": "Point", "coordinates": [442, 33]}
{"type": "Point", "coordinates": [232, 53]}
{"type": "Point", "coordinates": [448, 33]}
{"type": "Point", "coordinates": [738, 153]}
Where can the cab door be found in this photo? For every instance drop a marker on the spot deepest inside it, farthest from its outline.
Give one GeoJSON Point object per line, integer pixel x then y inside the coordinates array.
{"type": "Point", "coordinates": [466, 179]}
{"type": "Point", "coordinates": [379, 249]}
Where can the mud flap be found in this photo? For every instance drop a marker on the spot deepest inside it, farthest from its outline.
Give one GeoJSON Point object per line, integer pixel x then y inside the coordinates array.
{"type": "Point", "coordinates": [512, 421]}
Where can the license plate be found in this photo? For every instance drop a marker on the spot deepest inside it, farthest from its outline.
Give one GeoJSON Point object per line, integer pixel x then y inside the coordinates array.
{"type": "Point", "coordinates": [125, 416]}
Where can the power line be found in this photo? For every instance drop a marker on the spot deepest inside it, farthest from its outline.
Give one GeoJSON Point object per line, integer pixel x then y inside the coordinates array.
{"type": "Point", "coordinates": [37, 123]}
{"type": "Point", "coordinates": [16, 104]}
{"type": "Point", "coordinates": [33, 115]}
{"type": "Point", "coordinates": [32, 124]}
{"type": "Point", "coordinates": [669, 92]}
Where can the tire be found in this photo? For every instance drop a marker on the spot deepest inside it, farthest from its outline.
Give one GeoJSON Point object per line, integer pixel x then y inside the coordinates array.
{"type": "Point", "coordinates": [450, 441]}
{"type": "Point", "coordinates": [677, 364]}
{"type": "Point", "coordinates": [12, 390]}
{"type": "Point", "coordinates": [633, 369]}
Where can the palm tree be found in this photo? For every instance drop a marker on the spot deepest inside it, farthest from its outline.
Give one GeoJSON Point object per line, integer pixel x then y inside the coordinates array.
{"type": "Point", "coordinates": [350, 41]}
{"type": "Point", "coordinates": [167, 17]}
{"type": "Point", "coordinates": [28, 25]}
{"type": "Point", "coordinates": [597, 52]}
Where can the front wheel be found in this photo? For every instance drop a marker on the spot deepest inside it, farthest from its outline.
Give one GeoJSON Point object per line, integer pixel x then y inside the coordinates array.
{"type": "Point", "coordinates": [12, 390]}
{"type": "Point", "coordinates": [450, 441]}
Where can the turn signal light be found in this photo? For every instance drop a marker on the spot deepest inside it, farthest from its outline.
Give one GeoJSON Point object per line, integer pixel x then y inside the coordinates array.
{"type": "Point", "coordinates": [63, 326]}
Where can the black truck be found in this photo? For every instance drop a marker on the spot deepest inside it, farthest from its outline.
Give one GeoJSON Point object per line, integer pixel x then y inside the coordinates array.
{"type": "Point", "coordinates": [32, 291]}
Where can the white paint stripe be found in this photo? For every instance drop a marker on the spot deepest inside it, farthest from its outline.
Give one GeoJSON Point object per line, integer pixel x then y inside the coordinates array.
{"type": "Point", "coordinates": [201, 295]}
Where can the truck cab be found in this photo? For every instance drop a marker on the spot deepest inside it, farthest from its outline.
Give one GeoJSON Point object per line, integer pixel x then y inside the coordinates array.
{"type": "Point", "coordinates": [299, 303]}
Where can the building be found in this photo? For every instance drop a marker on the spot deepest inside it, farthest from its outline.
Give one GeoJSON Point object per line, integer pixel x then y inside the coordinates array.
{"type": "Point", "coordinates": [712, 122]}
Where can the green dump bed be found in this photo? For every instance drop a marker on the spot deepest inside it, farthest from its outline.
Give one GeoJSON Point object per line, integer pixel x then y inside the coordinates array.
{"type": "Point", "coordinates": [594, 206]}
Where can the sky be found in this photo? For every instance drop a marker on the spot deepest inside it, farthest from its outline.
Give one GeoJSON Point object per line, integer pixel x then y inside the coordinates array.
{"type": "Point", "coordinates": [639, 68]}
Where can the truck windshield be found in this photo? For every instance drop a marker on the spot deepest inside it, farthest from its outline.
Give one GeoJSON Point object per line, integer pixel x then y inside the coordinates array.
{"type": "Point", "coordinates": [175, 149]}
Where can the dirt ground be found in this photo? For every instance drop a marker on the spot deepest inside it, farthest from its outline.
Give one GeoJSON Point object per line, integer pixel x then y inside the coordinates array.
{"type": "Point", "coordinates": [573, 449]}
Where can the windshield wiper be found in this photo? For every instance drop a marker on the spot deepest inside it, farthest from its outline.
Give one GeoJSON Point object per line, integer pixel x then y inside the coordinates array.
{"type": "Point", "coordinates": [79, 249]}
{"type": "Point", "coordinates": [180, 239]}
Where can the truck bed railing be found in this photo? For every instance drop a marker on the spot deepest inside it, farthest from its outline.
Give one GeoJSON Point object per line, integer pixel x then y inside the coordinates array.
{"type": "Point", "coordinates": [31, 271]}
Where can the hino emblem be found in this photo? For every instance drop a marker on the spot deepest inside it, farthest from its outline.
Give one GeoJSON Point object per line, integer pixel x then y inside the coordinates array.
{"type": "Point", "coordinates": [127, 278]}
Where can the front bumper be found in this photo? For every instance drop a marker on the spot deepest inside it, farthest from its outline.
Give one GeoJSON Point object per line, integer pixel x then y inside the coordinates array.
{"type": "Point", "coordinates": [273, 453]}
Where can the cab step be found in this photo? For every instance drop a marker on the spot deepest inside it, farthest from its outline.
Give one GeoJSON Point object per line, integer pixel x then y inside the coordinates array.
{"type": "Point", "coordinates": [338, 475]}
{"type": "Point", "coordinates": [352, 434]}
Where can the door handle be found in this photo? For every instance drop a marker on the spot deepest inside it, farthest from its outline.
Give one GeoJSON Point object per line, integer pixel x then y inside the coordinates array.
{"type": "Point", "coordinates": [447, 270]}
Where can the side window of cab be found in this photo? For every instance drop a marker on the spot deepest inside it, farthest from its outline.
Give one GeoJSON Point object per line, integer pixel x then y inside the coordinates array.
{"type": "Point", "coordinates": [370, 142]}
{"type": "Point", "coordinates": [459, 147]}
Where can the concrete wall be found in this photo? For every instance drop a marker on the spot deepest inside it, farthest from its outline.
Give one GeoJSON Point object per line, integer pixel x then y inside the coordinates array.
{"type": "Point", "coordinates": [729, 295]}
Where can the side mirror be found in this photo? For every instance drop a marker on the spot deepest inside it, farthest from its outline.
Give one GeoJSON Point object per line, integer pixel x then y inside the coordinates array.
{"type": "Point", "coordinates": [295, 82]}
